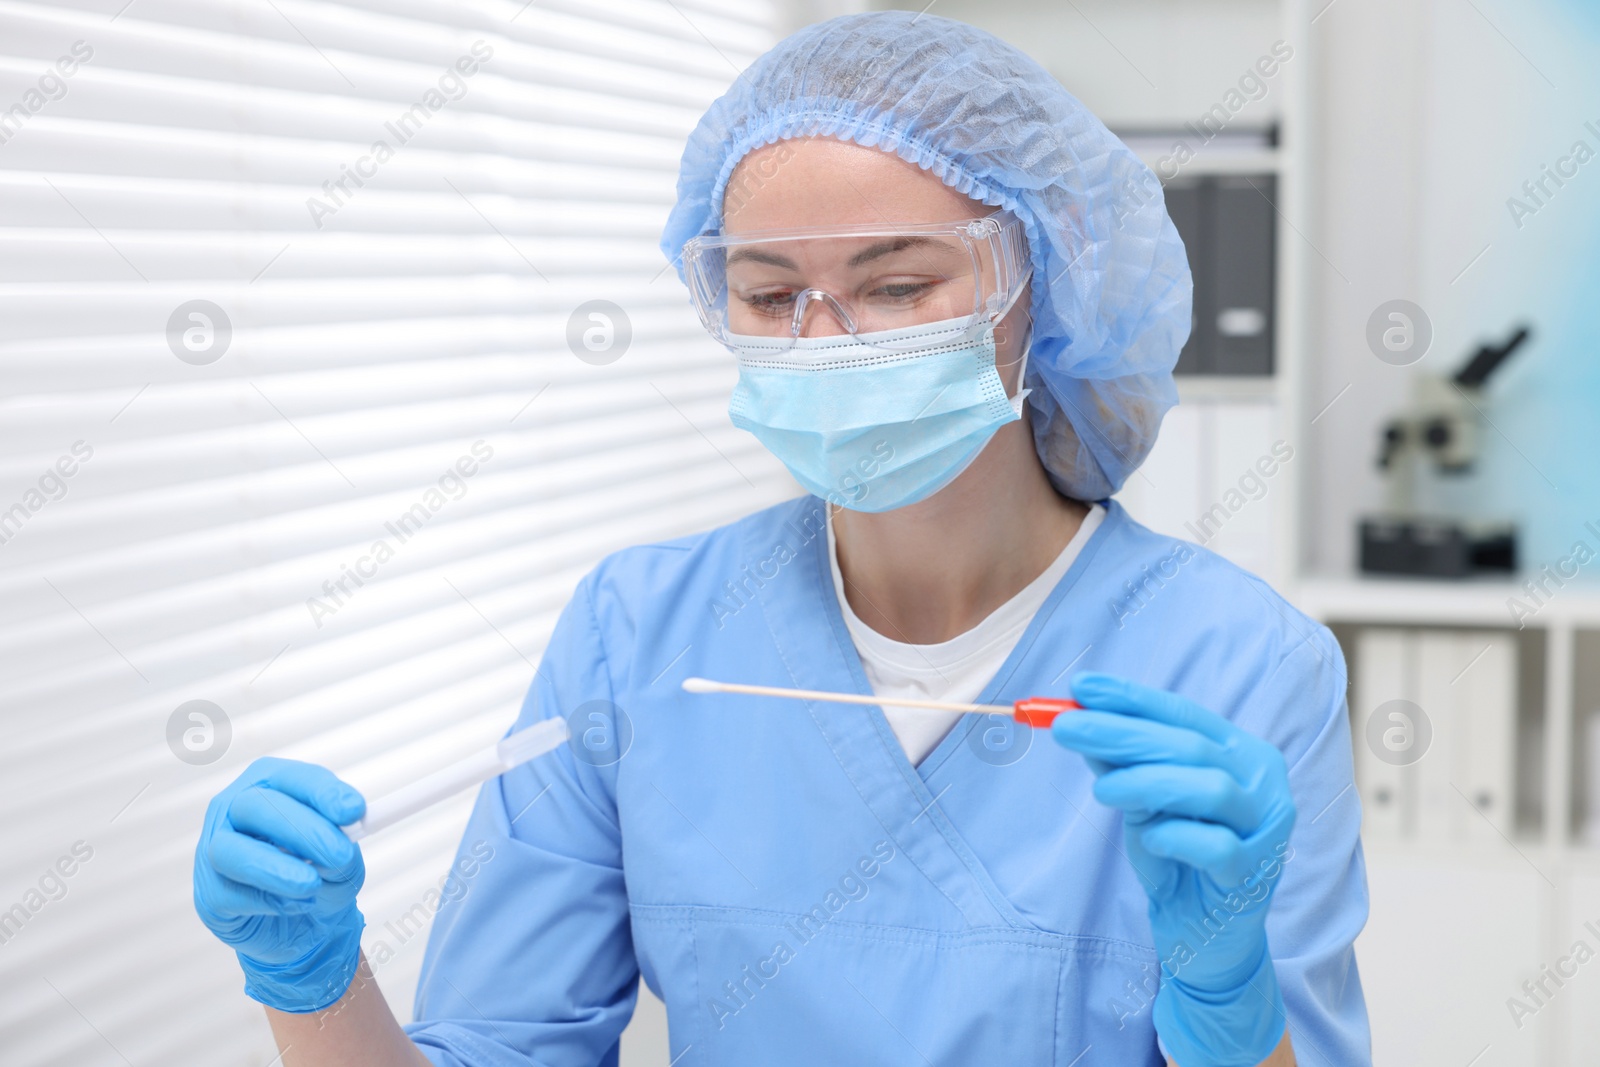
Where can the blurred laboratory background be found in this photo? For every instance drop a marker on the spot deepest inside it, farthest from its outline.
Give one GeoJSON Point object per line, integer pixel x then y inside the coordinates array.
{"type": "Point", "coordinates": [335, 345]}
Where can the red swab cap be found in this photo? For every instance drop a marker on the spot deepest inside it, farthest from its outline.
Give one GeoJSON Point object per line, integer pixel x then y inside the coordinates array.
{"type": "Point", "coordinates": [1042, 711]}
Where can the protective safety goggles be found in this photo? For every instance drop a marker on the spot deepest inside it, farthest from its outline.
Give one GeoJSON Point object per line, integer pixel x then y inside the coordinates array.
{"type": "Point", "coordinates": [876, 282]}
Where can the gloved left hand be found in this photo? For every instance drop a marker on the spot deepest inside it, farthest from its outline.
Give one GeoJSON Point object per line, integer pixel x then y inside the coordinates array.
{"type": "Point", "coordinates": [1206, 818]}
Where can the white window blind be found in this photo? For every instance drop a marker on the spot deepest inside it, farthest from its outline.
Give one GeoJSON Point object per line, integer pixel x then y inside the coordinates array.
{"type": "Point", "coordinates": [342, 499]}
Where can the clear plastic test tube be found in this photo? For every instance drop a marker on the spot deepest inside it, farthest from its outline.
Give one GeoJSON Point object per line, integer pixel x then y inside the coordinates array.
{"type": "Point", "coordinates": [510, 751]}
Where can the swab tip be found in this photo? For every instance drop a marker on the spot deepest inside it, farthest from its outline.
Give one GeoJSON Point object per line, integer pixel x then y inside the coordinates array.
{"type": "Point", "coordinates": [700, 685]}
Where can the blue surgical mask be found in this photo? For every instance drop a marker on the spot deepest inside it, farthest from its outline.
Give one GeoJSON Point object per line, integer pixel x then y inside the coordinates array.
{"type": "Point", "coordinates": [875, 426]}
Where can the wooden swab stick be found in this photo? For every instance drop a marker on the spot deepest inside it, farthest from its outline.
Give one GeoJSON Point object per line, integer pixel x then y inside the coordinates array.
{"type": "Point", "coordinates": [1032, 711]}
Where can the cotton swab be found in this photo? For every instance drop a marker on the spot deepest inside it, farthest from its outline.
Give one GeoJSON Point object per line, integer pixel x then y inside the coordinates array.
{"type": "Point", "coordinates": [1030, 711]}
{"type": "Point", "coordinates": [510, 751]}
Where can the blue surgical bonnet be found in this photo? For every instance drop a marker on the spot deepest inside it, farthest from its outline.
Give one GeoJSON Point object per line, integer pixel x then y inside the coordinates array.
{"type": "Point", "coordinates": [1111, 291]}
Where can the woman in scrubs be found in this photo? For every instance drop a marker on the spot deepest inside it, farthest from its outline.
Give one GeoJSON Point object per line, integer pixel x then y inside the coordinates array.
{"type": "Point", "coordinates": [955, 301]}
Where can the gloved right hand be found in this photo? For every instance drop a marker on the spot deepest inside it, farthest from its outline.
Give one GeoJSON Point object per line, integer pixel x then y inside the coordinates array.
{"type": "Point", "coordinates": [276, 880]}
{"type": "Point", "coordinates": [1207, 813]}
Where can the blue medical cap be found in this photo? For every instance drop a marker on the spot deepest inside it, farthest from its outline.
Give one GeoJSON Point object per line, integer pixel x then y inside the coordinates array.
{"type": "Point", "coordinates": [1111, 292]}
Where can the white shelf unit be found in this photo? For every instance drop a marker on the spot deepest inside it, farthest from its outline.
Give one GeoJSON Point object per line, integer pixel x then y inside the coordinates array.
{"type": "Point", "coordinates": [1456, 928]}
{"type": "Point", "coordinates": [1563, 622]}
{"type": "Point", "coordinates": [1537, 889]}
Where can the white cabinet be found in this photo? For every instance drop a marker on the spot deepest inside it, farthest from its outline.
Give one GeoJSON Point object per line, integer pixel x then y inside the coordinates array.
{"type": "Point", "coordinates": [1450, 939]}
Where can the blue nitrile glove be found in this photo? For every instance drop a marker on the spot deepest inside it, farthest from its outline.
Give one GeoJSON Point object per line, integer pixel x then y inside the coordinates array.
{"type": "Point", "coordinates": [1206, 820]}
{"type": "Point", "coordinates": [276, 879]}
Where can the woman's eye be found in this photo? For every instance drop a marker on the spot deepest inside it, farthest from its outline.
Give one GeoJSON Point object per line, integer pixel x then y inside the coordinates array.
{"type": "Point", "coordinates": [769, 303]}
{"type": "Point", "coordinates": [901, 291]}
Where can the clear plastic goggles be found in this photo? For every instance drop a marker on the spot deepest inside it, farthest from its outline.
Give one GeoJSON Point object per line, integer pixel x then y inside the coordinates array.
{"type": "Point", "coordinates": [770, 287]}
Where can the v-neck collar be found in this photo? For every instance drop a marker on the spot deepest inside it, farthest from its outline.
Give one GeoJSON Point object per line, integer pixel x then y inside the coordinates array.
{"type": "Point", "coordinates": [1008, 669]}
{"type": "Point", "coordinates": [807, 625]}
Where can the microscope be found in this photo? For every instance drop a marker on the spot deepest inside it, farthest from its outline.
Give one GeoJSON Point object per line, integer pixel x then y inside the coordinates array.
{"type": "Point", "coordinates": [1439, 431]}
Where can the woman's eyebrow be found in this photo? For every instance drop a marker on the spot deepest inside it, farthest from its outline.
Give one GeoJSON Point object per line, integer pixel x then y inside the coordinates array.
{"type": "Point", "coordinates": [754, 255]}
{"type": "Point", "coordinates": [883, 248]}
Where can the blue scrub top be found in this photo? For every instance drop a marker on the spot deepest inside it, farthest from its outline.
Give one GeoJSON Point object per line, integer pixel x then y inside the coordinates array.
{"type": "Point", "coordinates": [798, 893]}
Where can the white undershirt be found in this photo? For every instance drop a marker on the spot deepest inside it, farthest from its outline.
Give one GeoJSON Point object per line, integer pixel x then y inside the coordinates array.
{"type": "Point", "coordinates": [957, 669]}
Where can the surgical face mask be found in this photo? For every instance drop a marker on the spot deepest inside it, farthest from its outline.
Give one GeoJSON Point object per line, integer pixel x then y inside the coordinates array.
{"type": "Point", "coordinates": [874, 422]}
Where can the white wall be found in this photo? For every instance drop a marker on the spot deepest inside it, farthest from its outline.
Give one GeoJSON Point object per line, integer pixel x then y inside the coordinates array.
{"type": "Point", "coordinates": [1138, 62]}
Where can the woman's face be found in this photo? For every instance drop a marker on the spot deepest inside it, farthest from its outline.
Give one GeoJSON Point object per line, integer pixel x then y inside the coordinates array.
{"type": "Point", "coordinates": [822, 182]}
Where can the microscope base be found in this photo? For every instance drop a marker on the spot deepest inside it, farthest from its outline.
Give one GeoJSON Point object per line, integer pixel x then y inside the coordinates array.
{"type": "Point", "coordinates": [1437, 548]}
